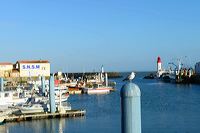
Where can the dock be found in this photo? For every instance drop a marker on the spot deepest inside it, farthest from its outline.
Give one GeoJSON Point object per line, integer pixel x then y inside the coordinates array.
{"type": "Point", "coordinates": [29, 117]}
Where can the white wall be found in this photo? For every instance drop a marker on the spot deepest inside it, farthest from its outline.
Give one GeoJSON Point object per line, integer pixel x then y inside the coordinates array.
{"type": "Point", "coordinates": [34, 69]}
{"type": "Point", "coordinates": [6, 67]}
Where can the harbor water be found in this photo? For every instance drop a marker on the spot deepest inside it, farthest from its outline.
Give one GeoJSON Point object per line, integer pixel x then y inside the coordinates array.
{"type": "Point", "coordinates": [166, 108]}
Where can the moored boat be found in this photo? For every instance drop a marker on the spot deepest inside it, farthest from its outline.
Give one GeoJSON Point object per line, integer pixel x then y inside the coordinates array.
{"type": "Point", "coordinates": [10, 98]}
{"type": "Point", "coordinates": [98, 89]}
{"type": "Point", "coordinates": [33, 108]}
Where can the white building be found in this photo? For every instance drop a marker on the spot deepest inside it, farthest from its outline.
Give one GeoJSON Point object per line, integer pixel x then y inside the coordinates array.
{"type": "Point", "coordinates": [197, 68]}
{"type": "Point", "coordinates": [33, 68]}
{"type": "Point", "coordinates": [5, 69]}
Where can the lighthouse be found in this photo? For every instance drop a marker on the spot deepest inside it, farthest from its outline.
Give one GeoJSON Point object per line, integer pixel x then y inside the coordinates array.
{"type": "Point", "coordinates": [159, 67]}
{"type": "Point", "coordinates": [159, 64]}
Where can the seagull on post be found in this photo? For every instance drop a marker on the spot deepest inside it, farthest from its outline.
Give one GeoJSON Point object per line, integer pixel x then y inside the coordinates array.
{"type": "Point", "coordinates": [130, 77]}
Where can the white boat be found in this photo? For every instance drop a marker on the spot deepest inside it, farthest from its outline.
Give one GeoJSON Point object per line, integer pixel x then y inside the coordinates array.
{"type": "Point", "coordinates": [64, 98]}
{"type": "Point", "coordinates": [59, 89]}
{"type": "Point", "coordinates": [63, 91]}
{"type": "Point", "coordinates": [9, 98]}
{"type": "Point", "coordinates": [33, 108]}
{"type": "Point", "coordinates": [98, 89]}
{"type": "Point", "coordinates": [41, 104]}
{"type": "Point", "coordinates": [64, 105]}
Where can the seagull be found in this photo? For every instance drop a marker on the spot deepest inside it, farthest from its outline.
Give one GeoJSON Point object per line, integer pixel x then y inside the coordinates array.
{"type": "Point", "coordinates": [130, 77]}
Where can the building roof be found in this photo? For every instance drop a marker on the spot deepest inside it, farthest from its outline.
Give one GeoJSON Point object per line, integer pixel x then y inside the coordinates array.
{"type": "Point", "coordinates": [5, 63]}
{"type": "Point", "coordinates": [33, 61]}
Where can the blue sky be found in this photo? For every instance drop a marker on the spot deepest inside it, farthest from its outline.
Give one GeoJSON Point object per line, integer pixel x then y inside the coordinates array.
{"type": "Point", "coordinates": [81, 35]}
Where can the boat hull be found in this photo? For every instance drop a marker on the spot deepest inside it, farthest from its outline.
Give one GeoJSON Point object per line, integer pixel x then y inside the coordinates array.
{"type": "Point", "coordinates": [97, 91]}
{"type": "Point", "coordinates": [36, 108]}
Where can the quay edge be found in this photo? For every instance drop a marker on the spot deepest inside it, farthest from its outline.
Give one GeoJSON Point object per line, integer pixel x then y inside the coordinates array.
{"type": "Point", "coordinates": [29, 117]}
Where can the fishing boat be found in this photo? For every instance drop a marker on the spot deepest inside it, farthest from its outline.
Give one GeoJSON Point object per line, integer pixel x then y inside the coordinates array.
{"type": "Point", "coordinates": [98, 89]}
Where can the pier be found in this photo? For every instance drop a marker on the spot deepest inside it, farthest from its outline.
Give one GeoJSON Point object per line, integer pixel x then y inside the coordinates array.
{"type": "Point", "coordinates": [29, 117]}
{"type": "Point", "coordinates": [88, 74]}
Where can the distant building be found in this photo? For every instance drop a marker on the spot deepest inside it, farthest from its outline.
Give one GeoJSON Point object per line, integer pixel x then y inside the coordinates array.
{"type": "Point", "coordinates": [33, 68]}
{"type": "Point", "coordinates": [28, 68]}
{"type": "Point", "coordinates": [197, 68]}
{"type": "Point", "coordinates": [5, 69]}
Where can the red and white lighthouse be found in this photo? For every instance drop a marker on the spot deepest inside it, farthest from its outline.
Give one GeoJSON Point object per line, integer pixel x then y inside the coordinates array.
{"type": "Point", "coordinates": [159, 64]}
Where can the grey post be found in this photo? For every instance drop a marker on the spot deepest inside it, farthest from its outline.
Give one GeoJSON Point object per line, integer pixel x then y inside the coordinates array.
{"type": "Point", "coordinates": [2, 84]}
{"type": "Point", "coordinates": [43, 85]}
{"type": "Point", "coordinates": [52, 94]}
{"type": "Point", "coordinates": [131, 108]}
{"type": "Point", "coordinates": [106, 79]}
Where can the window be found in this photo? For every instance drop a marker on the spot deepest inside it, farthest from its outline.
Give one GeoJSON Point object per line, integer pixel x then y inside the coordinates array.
{"type": "Point", "coordinates": [6, 95]}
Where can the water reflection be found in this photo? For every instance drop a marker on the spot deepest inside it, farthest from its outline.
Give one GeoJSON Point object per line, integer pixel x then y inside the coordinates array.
{"type": "Point", "coordinates": [58, 125]}
{"type": "Point", "coordinates": [4, 129]}
{"type": "Point", "coordinates": [54, 126]}
{"type": "Point", "coordinates": [61, 125]}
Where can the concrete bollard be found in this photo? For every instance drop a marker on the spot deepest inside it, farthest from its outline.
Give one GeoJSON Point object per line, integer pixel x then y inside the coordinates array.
{"type": "Point", "coordinates": [2, 84]}
{"type": "Point", "coordinates": [43, 85]}
{"type": "Point", "coordinates": [131, 108]}
{"type": "Point", "coordinates": [52, 95]}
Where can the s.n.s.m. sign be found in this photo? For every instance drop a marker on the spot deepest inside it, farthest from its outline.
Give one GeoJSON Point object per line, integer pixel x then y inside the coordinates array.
{"type": "Point", "coordinates": [30, 66]}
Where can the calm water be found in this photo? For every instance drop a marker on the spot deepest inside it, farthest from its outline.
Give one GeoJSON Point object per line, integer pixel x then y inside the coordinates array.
{"type": "Point", "coordinates": [166, 108]}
